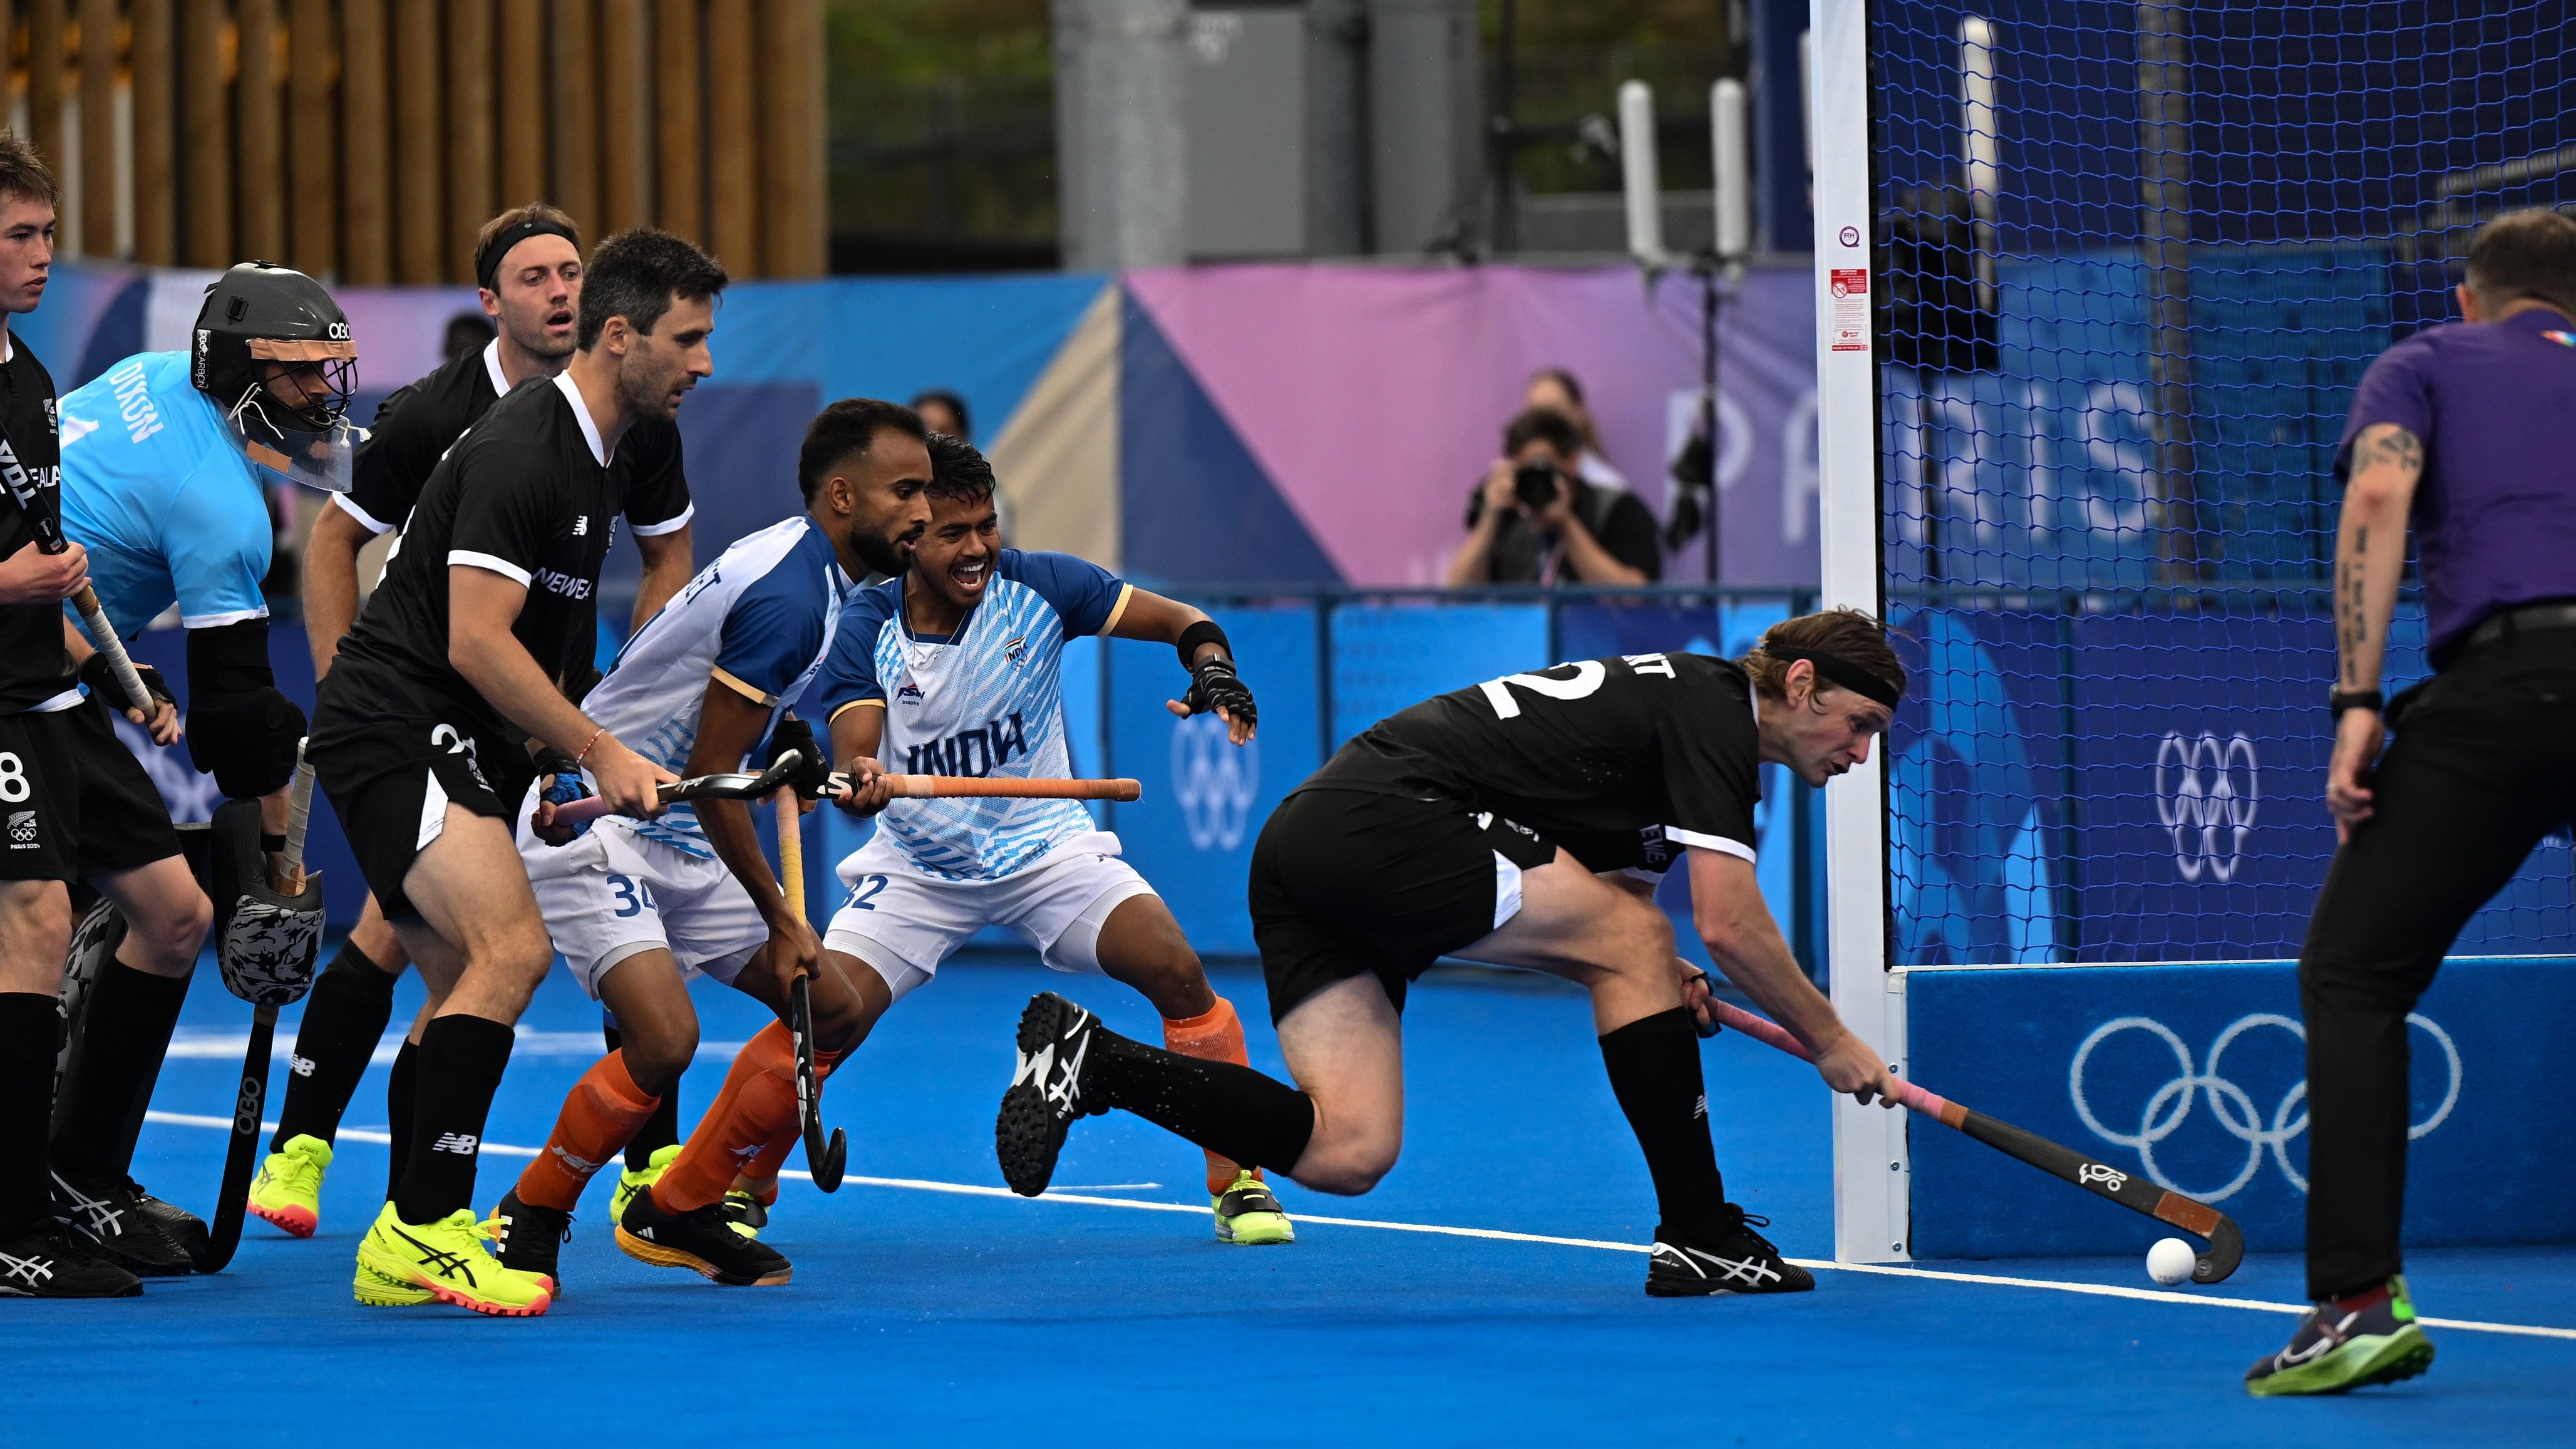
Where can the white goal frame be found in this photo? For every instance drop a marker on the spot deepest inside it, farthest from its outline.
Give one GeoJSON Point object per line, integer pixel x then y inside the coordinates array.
{"type": "Point", "coordinates": [1872, 1168]}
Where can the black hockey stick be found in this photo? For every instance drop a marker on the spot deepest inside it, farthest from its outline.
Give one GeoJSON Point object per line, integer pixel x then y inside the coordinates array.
{"type": "Point", "coordinates": [737, 785]}
{"type": "Point", "coordinates": [824, 1159]}
{"type": "Point", "coordinates": [49, 539]}
{"type": "Point", "coordinates": [241, 1151]}
{"type": "Point", "coordinates": [2226, 1242]}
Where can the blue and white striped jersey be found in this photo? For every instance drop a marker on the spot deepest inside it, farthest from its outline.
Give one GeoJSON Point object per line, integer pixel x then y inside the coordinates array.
{"type": "Point", "coordinates": [987, 700]}
{"type": "Point", "coordinates": [759, 620]}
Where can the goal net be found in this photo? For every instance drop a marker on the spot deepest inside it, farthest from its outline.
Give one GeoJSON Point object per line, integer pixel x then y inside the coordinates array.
{"type": "Point", "coordinates": [2130, 261]}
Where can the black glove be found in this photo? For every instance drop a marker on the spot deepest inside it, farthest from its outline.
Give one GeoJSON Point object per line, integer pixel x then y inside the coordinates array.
{"type": "Point", "coordinates": [812, 777]}
{"type": "Point", "coordinates": [559, 782]}
{"type": "Point", "coordinates": [100, 676]}
{"type": "Point", "coordinates": [1214, 685]}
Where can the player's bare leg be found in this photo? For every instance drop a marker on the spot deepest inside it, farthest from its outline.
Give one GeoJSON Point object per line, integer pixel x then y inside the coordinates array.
{"type": "Point", "coordinates": [125, 1027]}
{"type": "Point", "coordinates": [1141, 946]}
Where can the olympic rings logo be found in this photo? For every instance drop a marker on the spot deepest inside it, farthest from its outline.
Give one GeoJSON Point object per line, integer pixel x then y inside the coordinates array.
{"type": "Point", "coordinates": [2171, 1104]}
{"type": "Point", "coordinates": [1214, 781]}
{"type": "Point", "coordinates": [2206, 796]}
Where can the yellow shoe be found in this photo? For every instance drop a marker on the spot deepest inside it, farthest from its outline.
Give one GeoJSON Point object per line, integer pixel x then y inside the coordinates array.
{"type": "Point", "coordinates": [1247, 1214]}
{"type": "Point", "coordinates": [449, 1260]}
{"type": "Point", "coordinates": [631, 1183]}
{"type": "Point", "coordinates": [288, 1190]}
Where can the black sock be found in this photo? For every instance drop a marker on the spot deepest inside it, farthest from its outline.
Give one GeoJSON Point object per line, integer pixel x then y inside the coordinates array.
{"type": "Point", "coordinates": [31, 1026]}
{"type": "Point", "coordinates": [1654, 1070]}
{"type": "Point", "coordinates": [1229, 1110]}
{"type": "Point", "coordinates": [344, 1018]}
{"type": "Point", "coordinates": [124, 1032]}
{"type": "Point", "coordinates": [401, 1087]}
{"type": "Point", "coordinates": [461, 1061]}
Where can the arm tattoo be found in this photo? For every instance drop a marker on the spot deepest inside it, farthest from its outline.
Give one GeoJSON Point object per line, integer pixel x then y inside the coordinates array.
{"type": "Point", "coordinates": [2397, 446]}
{"type": "Point", "coordinates": [2351, 625]}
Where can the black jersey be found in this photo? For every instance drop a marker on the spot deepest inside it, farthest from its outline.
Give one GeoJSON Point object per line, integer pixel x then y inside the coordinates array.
{"type": "Point", "coordinates": [525, 495]}
{"type": "Point", "coordinates": [417, 425]}
{"type": "Point", "coordinates": [34, 665]}
{"type": "Point", "coordinates": [1622, 760]}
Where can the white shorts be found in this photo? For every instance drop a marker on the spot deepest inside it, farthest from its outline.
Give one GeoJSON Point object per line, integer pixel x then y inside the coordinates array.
{"type": "Point", "coordinates": [608, 896]}
{"type": "Point", "coordinates": [904, 924]}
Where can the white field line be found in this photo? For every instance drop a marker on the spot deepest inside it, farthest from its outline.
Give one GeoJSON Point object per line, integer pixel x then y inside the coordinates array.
{"type": "Point", "coordinates": [1885, 1270]}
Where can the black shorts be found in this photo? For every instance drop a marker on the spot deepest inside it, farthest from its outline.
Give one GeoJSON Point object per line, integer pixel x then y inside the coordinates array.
{"type": "Point", "coordinates": [391, 778]}
{"type": "Point", "coordinates": [74, 802]}
{"type": "Point", "coordinates": [1345, 882]}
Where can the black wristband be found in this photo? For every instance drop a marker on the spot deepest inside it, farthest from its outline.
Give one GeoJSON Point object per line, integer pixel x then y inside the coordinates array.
{"type": "Point", "coordinates": [1204, 631]}
{"type": "Point", "coordinates": [2344, 699]}
{"type": "Point", "coordinates": [273, 844]}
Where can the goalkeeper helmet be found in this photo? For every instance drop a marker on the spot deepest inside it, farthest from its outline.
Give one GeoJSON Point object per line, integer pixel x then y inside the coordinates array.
{"type": "Point", "coordinates": [256, 316]}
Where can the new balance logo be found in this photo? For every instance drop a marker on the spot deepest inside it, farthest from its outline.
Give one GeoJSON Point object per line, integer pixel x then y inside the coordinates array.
{"type": "Point", "coordinates": [300, 1066]}
{"type": "Point", "coordinates": [460, 1143]}
{"type": "Point", "coordinates": [1699, 1108]}
{"type": "Point", "coordinates": [581, 526]}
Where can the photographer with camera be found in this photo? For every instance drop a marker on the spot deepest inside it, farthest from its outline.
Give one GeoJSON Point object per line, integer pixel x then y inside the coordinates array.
{"type": "Point", "coordinates": [1535, 520]}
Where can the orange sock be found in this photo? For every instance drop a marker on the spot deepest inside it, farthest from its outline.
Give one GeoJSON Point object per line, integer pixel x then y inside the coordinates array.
{"type": "Point", "coordinates": [601, 1114]}
{"type": "Point", "coordinates": [756, 1109]}
{"type": "Point", "coordinates": [760, 1178]}
{"type": "Point", "coordinates": [1213, 1036]}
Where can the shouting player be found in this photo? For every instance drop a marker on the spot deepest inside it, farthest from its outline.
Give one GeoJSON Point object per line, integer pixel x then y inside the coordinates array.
{"type": "Point", "coordinates": [166, 462]}
{"type": "Point", "coordinates": [78, 807]}
{"type": "Point", "coordinates": [527, 261]}
{"type": "Point", "coordinates": [460, 658]}
{"type": "Point", "coordinates": [951, 669]}
{"type": "Point", "coordinates": [637, 906]}
{"type": "Point", "coordinates": [1522, 823]}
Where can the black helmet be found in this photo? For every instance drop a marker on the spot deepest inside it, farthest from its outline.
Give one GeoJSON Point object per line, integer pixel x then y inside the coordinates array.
{"type": "Point", "coordinates": [258, 313]}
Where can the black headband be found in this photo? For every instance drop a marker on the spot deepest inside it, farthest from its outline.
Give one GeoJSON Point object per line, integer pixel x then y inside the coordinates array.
{"type": "Point", "coordinates": [487, 257]}
{"type": "Point", "coordinates": [1841, 671]}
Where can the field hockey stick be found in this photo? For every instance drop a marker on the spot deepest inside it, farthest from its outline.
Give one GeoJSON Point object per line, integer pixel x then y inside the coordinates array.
{"type": "Point", "coordinates": [824, 1159]}
{"type": "Point", "coordinates": [49, 539]}
{"type": "Point", "coordinates": [241, 1152]}
{"type": "Point", "coordinates": [2226, 1242]}
{"type": "Point", "coordinates": [735, 785]}
{"type": "Point", "coordinates": [996, 787]}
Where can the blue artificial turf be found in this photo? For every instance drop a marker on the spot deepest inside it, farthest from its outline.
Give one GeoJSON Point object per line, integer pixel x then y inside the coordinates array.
{"type": "Point", "coordinates": [921, 1316]}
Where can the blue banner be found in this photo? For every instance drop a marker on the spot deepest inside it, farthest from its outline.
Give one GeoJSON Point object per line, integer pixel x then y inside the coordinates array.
{"type": "Point", "coordinates": [1192, 833]}
{"type": "Point", "coordinates": [2194, 1076]}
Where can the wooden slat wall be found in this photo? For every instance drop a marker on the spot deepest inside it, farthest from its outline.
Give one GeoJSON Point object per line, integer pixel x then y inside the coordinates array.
{"type": "Point", "coordinates": [368, 140]}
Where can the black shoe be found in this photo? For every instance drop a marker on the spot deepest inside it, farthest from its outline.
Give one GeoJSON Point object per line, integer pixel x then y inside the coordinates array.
{"type": "Point", "coordinates": [107, 1214]}
{"type": "Point", "coordinates": [184, 1227]}
{"type": "Point", "coordinates": [48, 1261]}
{"type": "Point", "coordinates": [702, 1241]}
{"type": "Point", "coordinates": [1742, 1262]}
{"type": "Point", "coordinates": [748, 1214]}
{"type": "Point", "coordinates": [531, 1238]}
{"type": "Point", "coordinates": [1045, 1093]}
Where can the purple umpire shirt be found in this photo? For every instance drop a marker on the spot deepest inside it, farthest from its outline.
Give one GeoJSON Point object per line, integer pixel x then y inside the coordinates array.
{"type": "Point", "coordinates": [2495, 511]}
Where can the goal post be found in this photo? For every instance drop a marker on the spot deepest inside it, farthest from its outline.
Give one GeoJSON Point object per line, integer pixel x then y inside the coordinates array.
{"type": "Point", "coordinates": [2094, 283]}
{"type": "Point", "coordinates": [1869, 1143]}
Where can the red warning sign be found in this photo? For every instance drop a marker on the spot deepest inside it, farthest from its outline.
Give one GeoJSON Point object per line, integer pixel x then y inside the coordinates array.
{"type": "Point", "coordinates": [1851, 309]}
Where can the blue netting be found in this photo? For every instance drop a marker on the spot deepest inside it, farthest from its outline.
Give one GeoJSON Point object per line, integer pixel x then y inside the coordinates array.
{"type": "Point", "coordinates": [2116, 363]}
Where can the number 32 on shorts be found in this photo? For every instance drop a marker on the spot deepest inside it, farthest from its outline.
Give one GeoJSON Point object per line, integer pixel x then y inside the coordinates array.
{"type": "Point", "coordinates": [864, 891]}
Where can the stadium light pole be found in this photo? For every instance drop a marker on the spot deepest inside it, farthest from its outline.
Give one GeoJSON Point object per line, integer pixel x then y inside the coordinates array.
{"type": "Point", "coordinates": [1872, 1171]}
{"type": "Point", "coordinates": [1979, 152]}
{"type": "Point", "coordinates": [1639, 182]}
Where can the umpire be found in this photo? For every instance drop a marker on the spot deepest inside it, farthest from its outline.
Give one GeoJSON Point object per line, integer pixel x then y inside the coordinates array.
{"type": "Point", "coordinates": [2468, 429]}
